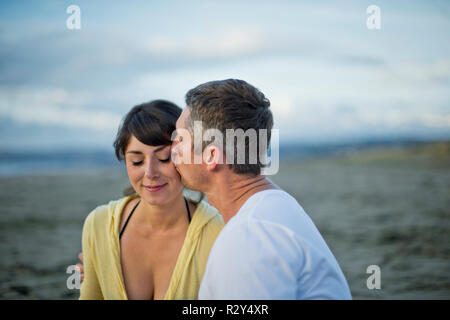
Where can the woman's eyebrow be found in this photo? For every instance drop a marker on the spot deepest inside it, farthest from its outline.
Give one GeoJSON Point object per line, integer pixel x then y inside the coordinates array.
{"type": "Point", "coordinates": [156, 150]}
{"type": "Point", "coordinates": [160, 148]}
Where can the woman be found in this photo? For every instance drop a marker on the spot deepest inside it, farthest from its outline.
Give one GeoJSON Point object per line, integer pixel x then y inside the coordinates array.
{"type": "Point", "coordinates": [154, 243]}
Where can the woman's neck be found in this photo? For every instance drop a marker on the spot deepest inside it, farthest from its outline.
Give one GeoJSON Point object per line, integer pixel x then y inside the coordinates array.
{"type": "Point", "coordinates": [162, 217]}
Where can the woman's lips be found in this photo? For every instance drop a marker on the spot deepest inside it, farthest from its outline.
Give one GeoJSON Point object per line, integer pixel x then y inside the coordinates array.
{"type": "Point", "coordinates": [155, 188]}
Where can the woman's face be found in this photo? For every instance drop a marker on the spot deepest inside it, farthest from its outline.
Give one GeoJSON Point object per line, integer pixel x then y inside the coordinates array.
{"type": "Point", "coordinates": [151, 172]}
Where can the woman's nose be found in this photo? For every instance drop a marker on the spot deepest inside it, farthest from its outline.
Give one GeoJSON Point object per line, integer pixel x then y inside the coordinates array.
{"type": "Point", "coordinates": [151, 171]}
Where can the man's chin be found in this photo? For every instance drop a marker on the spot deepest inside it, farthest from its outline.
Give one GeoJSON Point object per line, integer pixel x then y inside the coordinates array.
{"type": "Point", "coordinates": [177, 168]}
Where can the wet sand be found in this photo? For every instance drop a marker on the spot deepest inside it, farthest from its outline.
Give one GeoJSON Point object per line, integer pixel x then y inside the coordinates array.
{"type": "Point", "coordinates": [388, 207]}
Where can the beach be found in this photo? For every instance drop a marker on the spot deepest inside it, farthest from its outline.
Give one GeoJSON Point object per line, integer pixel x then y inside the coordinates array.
{"type": "Point", "coordinates": [388, 206]}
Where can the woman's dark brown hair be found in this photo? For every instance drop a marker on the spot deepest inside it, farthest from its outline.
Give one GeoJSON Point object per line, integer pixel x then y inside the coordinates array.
{"type": "Point", "coordinates": [152, 123]}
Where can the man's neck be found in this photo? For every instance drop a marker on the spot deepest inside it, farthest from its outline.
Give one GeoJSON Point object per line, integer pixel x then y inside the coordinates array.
{"type": "Point", "coordinates": [229, 193]}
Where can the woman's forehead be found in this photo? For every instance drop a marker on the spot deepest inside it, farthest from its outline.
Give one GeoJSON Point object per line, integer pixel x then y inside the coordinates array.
{"type": "Point", "coordinates": [136, 146]}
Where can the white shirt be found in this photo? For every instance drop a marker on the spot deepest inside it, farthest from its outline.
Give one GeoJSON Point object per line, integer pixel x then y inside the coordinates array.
{"type": "Point", "coordinates": [271, 249]}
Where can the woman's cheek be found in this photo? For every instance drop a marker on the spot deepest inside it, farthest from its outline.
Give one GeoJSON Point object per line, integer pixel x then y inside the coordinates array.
{"type": "Point", "coordinates": [129, 172]}
{"type": "Point", "coordinates": [133, 174]}
{"type": "Point", "coordinates": [171, 171]}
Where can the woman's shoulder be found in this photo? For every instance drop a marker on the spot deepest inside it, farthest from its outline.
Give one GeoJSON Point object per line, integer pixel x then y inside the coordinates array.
{"type": "Point", "coordinates": [209, 224]}
{"type": "Point", "coordinates": [212, 218]}
{"type": "Point", "coordinates": [101, 223]}
{"type": "Point", "coordinates": [107, 212]}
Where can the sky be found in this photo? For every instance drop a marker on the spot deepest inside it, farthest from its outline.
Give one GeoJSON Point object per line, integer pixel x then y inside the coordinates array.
{"type": "Point", "coordinates": [329, 78]}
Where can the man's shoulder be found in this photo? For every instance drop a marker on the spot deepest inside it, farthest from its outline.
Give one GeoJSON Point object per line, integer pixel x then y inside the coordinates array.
{"type": "Point", "coordinates": [270, 211]}
{"type": "Point", "coordinates": [277, 196]}
{"type": "Point", "coordinates": [273, 216]}
{"type": "Point", "coordinates": [274, 205]}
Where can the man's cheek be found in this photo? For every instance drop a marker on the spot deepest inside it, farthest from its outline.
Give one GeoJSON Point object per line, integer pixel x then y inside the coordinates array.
{"type": "Point", "coordinates": [176, 155]}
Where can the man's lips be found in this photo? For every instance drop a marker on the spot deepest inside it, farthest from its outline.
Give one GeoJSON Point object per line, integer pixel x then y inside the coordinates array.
{"type": "Point", "coordinates": [155, 188]}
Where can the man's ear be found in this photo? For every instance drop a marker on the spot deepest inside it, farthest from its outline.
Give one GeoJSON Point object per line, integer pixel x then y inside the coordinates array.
{"type": "Point", "coordinates": [212, 156]}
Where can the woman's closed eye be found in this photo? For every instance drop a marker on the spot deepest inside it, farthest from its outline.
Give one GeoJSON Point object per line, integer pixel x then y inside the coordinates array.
{"type": "Point", "coordinates": [138, 163]}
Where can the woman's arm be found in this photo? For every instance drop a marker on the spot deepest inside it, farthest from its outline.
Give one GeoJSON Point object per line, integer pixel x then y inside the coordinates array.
{"type": "Point", "coordinates": [90, 287]}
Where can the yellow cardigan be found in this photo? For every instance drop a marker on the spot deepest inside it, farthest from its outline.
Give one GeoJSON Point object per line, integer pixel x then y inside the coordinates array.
{"type": "Point", "coordinates": [103, 278]}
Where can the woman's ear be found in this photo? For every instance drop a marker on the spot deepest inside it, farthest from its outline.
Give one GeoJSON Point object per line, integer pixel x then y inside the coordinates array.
{"type": "Point", "coordinates": [212, 156]}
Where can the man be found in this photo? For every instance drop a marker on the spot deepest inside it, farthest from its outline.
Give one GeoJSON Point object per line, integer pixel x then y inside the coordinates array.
{"type": "Point", "coordinates": [269, 247]}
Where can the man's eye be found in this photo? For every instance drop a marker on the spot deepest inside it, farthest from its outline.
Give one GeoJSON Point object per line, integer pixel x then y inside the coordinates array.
{"type": "Point", "coordinates": [138, 163]}
{"type": "Point", "coordinates": [165, 160]}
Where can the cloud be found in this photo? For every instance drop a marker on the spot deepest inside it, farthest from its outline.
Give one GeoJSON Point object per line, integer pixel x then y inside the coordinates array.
{"type": "Point", "coordinates": [233, 42]}
{"type": "Point", "coordinates": [436, 120]}
{"type": "Point", "coordinates": [323, 71]}
{"type": "Point", "coordinates": [53, 107]}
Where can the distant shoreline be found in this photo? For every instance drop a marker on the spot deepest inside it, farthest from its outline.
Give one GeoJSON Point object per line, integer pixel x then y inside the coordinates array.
{"type": "Point", "coordinates": [19, 163]}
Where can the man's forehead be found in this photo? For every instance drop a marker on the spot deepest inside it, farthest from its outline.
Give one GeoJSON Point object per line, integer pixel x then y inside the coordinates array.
{"type": "Point", "coordinates": [181, 122]}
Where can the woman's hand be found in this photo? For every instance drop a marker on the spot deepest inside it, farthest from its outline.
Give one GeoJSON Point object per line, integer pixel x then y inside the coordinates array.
{"type": "Point", "coordinates": [80, 266]}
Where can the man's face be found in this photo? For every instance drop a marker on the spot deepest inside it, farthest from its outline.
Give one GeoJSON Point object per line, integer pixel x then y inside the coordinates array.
{"type": "Point", "coordinates": [183, 155]}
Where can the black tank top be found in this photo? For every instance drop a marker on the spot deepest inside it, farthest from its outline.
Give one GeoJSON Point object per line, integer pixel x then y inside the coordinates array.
{"type": "Point", "coordinates": [132, 211]}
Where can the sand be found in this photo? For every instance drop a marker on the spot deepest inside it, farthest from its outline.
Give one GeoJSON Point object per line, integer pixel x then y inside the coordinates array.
{"type": "Point", "coordinates": [387, 207]}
